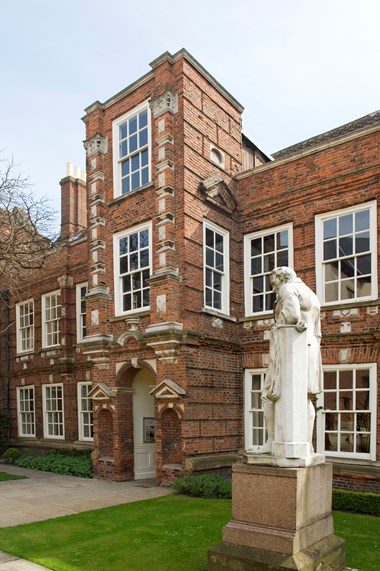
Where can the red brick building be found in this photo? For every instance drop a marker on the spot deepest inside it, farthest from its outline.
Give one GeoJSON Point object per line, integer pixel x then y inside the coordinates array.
{"type": "Point", "coordinates": [147, 335]}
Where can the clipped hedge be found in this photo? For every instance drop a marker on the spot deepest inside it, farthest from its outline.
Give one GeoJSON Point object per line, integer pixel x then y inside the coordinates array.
{"type": "Point", "coordinates": [11, 455]}
{"type": "Point", "coordinates": [59, 463]}
{"type": "Point", "coordinates": [203, 486]}
{"type": "Point", "coordinates": [358, 502]}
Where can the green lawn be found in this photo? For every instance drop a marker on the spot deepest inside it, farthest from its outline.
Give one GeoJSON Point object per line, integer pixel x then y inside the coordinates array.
{"type": "Point", "coordinates": [173, 532]}
{"type": "Point", "coordinates": [4, 477]}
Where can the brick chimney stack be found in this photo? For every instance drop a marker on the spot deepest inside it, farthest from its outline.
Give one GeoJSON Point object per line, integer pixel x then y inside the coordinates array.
{"type": "Point", "coordinates": [73, 202]}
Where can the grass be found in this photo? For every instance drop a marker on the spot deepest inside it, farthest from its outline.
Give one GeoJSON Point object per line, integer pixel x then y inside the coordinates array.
{"type": "Point", "coordinates": [173, 532]}
{"type": "Point", "coordinates": [4, 477]}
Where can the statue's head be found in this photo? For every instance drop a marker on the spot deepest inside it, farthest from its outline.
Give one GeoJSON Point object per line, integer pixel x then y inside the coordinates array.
{"type": "Point", "coordinates": [281, 275]}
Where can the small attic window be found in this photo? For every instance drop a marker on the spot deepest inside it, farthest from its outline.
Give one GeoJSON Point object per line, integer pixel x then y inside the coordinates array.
{"type": "Point", "coordinates": [217, 156]}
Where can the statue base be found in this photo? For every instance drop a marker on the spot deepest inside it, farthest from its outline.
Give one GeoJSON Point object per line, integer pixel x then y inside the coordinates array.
{"type": "Point", "coordinates": [282, 462]}
{"type": "Point", "coordinates": [328, 554]}
{"type": "Point", "coordinates": [281, 519]}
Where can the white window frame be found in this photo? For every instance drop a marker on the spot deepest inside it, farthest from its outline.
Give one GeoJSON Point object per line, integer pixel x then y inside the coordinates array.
{"type": "Point", "coordinates": [249, 410]}
{"type": "Point", "coordinates": [82, 413]}
{"type": "Point", "coordinates": [117, 162]}
{"type": "Point", "coordinates": [54, 411]}
{"type": "Point", "coordinates": [26, 416]}
{"type": "Point", "coordinates": [248, 281]}
{"type": "Point", "coordinates": [225, 274]}
{"type": "Point", "coordinates": [25, 334]}
{"type": "Point", "coordinates": [320, 280]}
{"type": "Point", "coordinates": [372, 367]}
{"type": "Point", "coordinates": [118, 277]}
{"type": "Point", "coordinates": [56, 320]}
{"type": "Point", "coordinates": [81, 316]}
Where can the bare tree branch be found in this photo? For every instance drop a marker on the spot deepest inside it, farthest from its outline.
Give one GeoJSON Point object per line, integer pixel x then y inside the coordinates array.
{"type": "Point", "coordinates": [26, 228]}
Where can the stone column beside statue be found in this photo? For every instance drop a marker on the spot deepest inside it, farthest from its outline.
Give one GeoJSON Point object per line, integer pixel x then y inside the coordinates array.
{"type": "Point", "coordinates": [282, 492]}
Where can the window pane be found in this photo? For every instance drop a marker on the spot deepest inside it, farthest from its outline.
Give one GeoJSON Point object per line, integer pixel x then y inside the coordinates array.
{"type": "Point", "coordinates": [345, 246]}
{"type": "Point", "coordinates": [331, 421]}
{"type": "Point", "coordinates": [346, 442]}
{"type": "Point", "coordinates": [135, 163]}
{"type": "Point", "coordinates": [362, 379]}
{"type": "Point", "coordinates": [283, 258]}
{"type": "Point", "coordinates": [362, 400]}
{"type": "Point", "coordinates": [256, 382]}
{"type": "Point", "coordinates": [362, 220]}
{"type": "Point", "coordinates": [329, 229]}
{"type": "Point", "coordinates": [256, 267]}
{"type": "Point", "coordinates": [331, 271]}
{"type": "Point", "coordinates": [345, 224]}
{"type": "Point", "coordinates": [143, 138]}
{"type": "Point", "coordinates": [257, 285]}
{"type": "Point", "coordinates": [257, 303]}
{"type": "Point", "coordinates": [331, 441]}
{"type": "Point", "coordinates": [329, 380]}
{"type": "Point", "coordinates": [329, 250]}
{"type": "Point", "coordinates": [347, 289]}
{"type": "Point", "coordinates": [144, 158]}
{"type": "Point", "coordinates": [135, 180]}
{"type": "Point", "coordinates": [143, 119]}
{"type": "Point", "coordinates": [144, 176]}
{"type": "Point", "coordinates": [125, 186]}
{"type": "Point", "coordinates": [125, 168]}
{"type": "Point", "coordinates": [363, 443]}
{"type": "Point", "coordinates": [347, 268]}
{"type": "Point", "coordinates": [218, 242]}
{"type": "Point", "coordinates": [269, 243]}
{"type": "Point", "coordinates": [123, 131]}
{"type": "Point", "coordinates": [331, 292]}
{"type": "Point", "coordinates": [209, 257]}
{"type": "Point", "coordinates": [364, 287]}
{"type": "Point", "coordinates": [364, 265]}
{"type": "Point", "coordinates": [256, 247]}
{"type": "Point", "coordinates": [346, 400]}
{"type": "Point", "coordinates": [330, 400]}
{"type": "Point", "coordinates": [282, 239]}
{"type": "Point", "coordinates": [362, 242]}
{"type": "Point", "coordinates": [346, 379]}
{"type": "Point", "coordinates": [219, 264]}
{"type": "Point", "coordinates": [133, 125]}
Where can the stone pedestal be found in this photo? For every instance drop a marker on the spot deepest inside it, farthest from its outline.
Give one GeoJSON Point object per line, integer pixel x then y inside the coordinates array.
{"type": "Point", "coordinates": [281, 519]}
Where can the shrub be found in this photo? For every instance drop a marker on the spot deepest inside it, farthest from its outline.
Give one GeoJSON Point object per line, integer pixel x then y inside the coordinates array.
{"type": "Point", "coordinates": [359, 502]}
{"type": "Point", "coordinates": [59, 463]}
{"type": "Point", "coordinates": [203, 486]}
{"type": "Point", "coordinates": [11, 455]}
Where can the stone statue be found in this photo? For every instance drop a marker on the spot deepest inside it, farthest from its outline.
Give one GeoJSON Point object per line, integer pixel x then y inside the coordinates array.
{"type": "Point", "coordinates": [296, 304]}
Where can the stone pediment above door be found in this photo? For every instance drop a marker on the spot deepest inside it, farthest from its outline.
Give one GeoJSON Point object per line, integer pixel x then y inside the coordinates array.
{"type": "Point", "coordinates": [102, 392]}
{"type": "Point", "coordinates": [215, 190]}
{"type": "Point", "coordinates": [168, 389]}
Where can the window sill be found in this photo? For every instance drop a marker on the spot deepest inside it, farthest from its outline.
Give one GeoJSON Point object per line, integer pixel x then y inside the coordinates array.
{"type": "Point", "coordinates": [350, 304]}
{"type": "Point", "coordinates": [220, 314]}
{"type": "Point", "coordinates": [117, 199]}
{"type": "Point", "coordinates": [137, 313]}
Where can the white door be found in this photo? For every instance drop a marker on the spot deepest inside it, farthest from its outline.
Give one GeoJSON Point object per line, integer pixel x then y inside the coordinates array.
{"type": "Point", "coordinates": [144, 426]}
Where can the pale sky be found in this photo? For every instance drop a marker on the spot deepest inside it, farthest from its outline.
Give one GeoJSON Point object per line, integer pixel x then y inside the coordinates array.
{"type": "Point", "coordinates": [299, 67]}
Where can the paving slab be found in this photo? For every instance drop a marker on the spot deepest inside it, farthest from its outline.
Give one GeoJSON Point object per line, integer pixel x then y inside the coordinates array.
{"type": "Point", "coordinates": [43, 495]}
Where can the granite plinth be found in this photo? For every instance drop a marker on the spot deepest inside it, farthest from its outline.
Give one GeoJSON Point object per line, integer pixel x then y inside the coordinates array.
{"type": "Point", "coordinates": [327, 554]}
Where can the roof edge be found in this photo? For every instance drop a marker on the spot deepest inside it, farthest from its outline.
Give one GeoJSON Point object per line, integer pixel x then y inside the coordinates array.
{"type": "Point", "coordinates": [165, 57]}
{"type": "Point", "coordinates": [317, 149]}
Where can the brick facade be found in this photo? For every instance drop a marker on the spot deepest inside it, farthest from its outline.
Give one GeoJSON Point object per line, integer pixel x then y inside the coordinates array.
{"type": "Point", "coordinates": [193, 356]}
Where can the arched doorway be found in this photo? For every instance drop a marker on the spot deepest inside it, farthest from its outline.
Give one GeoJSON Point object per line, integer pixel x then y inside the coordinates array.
{"type": "Point", "coordinates": [144, 425]}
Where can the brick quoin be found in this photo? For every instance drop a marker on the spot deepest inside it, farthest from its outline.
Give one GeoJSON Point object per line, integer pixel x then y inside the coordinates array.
{"type": "Point", "coordinates": [194, 356]}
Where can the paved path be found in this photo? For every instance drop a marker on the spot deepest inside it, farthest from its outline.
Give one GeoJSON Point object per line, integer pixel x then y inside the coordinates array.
{"type": "Point", "coordinates": [44, 495]}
